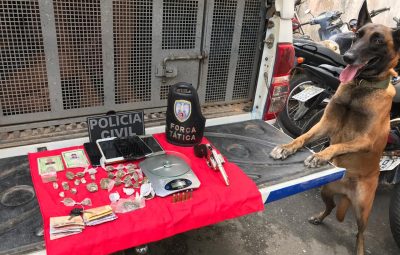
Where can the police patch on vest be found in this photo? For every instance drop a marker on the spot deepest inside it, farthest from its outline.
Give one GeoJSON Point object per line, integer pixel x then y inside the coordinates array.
{"type": "Point", "coordinates": [182, 110]}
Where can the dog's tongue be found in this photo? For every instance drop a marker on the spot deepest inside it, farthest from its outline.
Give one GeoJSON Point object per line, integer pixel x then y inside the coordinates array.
{"type": "Point", "coordinates": [349, 73]}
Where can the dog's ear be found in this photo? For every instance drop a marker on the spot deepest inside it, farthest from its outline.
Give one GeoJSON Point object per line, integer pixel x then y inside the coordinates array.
{"type": "Point", "coordinates": [396, 39]}
{"type": "Point", "coordinates": [363, 16]}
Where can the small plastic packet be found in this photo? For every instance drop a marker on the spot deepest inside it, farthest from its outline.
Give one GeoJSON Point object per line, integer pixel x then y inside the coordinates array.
{"type": "Point", "coordinates": [130, 204]}
{"type": "Point", "coordinates": [90, 170]}
{"type": "Point", "coordinates": [147, 191]}
{"type": "Point", "coordinates": [110, 185]}
{"type": "Point", "coordinates": [114, 197]}
{"type": "Point", "coordinates": [128, 191]}
{"type": "Point", "coordinates": [50, 175]}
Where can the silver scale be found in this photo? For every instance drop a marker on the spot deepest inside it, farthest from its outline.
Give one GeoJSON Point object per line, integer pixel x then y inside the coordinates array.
{"type": "Point", "coordinates": [169, 174]}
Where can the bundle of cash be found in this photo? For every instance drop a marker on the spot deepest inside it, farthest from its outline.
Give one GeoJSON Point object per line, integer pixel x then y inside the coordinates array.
{"type": "Point", "coordinates": [65, 226]}
{"type": "Point", "coordinates": [98, 215]}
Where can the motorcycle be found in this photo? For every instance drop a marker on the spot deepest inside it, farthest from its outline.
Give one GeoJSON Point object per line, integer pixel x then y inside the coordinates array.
{"type": "Point", "coordinates": [331, 25]}
{"type": "Point", "coordinates": [310, 92]}
{"type": "Point", "coordinates": [326, 21]}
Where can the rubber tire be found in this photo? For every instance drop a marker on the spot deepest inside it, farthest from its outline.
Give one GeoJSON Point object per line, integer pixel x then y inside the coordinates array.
{"type": "Point", "coordinates": [283, 118]}
{"type": "Point", "coordinates": [312, 121]}
{"type": "Point", "coordinates": [394, 214]}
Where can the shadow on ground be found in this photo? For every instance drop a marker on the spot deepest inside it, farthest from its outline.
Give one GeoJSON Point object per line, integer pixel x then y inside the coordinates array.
{"type": "Point", "coordinates": [283, 229]}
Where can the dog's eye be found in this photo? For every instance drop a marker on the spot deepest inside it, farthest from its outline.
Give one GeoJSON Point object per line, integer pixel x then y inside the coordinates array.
{"type": "Point", "coordinates": [378, 41]}
{"type": "Point", "coordinates": [377, 38]}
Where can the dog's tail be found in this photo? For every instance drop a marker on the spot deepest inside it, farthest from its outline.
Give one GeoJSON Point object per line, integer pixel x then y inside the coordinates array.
{"type": "Point", "coordinates": [342, 208]}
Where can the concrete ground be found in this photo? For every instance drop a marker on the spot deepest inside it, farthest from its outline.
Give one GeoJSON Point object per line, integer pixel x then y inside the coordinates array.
{"type": "Point", "coordinates": [283, 229]}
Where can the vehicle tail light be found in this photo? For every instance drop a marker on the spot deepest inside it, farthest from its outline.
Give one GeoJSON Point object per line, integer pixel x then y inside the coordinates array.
{"type": "Point", "coordinates": [300, 60]}
{"type": "Point", "coordinates": [279, 89]}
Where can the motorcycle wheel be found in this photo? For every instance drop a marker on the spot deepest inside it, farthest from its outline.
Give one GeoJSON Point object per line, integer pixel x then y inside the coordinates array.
{"type": "Point", "coordinates": [319, 144]}
{"type": "Point", "coordinates": [394, 208]}
{"type": "Point", "coordinates": [394, 214]}
{"type": "Point", "coordinates": [286, 118]}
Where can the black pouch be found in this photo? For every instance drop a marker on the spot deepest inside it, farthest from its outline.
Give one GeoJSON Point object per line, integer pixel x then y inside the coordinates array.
{"type": "Point", "coordinates": [185, 122]}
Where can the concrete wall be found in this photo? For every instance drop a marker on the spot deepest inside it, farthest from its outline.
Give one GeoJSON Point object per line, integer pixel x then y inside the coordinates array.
{"type": "Point", "coordinates": [350, 8]}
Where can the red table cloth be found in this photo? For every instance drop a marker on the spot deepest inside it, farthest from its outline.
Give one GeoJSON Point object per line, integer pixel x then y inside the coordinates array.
{"type": "Point", "coordinates": [160, 218]}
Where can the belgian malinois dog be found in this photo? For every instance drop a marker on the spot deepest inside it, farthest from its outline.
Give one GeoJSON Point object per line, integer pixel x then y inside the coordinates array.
{"type": "Point", "coordinates": [357, 122]}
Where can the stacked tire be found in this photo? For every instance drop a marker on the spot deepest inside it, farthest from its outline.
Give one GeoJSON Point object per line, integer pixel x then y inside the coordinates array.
{"type": "Point", "coordinates": [394, 214]}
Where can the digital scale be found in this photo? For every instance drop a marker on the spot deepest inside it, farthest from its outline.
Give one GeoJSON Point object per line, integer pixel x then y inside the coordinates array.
{"type": "Point", "coordinates": [169, 174]}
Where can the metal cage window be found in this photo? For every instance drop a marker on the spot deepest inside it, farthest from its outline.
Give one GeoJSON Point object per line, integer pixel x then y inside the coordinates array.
{"type": "Point", "coordinates": [78, 26]}
{"type": "Point", "coordinates": [23, 75]}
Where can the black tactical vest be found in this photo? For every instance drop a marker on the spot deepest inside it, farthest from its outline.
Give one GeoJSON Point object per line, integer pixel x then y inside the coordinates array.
{"type": "Point", "coordinates": [185, 122]}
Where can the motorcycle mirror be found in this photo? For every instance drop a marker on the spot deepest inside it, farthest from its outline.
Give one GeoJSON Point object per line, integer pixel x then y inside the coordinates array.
{"type": "Point", "coordinates": [308, 11]}
{"type": "Point", "coordinates": [353, 22]}
{"type": "Point", "coordinates": [352, 25]}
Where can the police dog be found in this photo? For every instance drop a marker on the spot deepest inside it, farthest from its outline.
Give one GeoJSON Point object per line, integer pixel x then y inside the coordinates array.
{"type": "Point", "coordinates": [357, 122]}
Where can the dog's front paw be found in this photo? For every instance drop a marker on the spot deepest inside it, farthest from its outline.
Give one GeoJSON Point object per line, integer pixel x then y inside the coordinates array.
{"type": "Point", "coordinates": [316, 220]}
{"type": "Point", "coordinates": [282, 152]}
{"type": "Point", "coordinates": [315, 160]}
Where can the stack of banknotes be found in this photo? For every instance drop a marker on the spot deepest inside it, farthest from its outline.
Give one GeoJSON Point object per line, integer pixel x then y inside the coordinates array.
{"type": "Point", "coordinates": [98, 215]}
{"type": "Point", "coordinates": [65, 226]}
